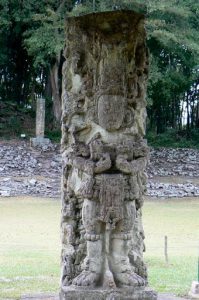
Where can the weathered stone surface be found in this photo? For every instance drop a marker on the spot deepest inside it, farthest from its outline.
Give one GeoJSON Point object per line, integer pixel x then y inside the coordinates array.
{"type": "Point", "coordinates": [28, 171]}
{"type": "Point", "coordinates": [173, 162]}
{"type": "Point", "coordinates": [194, 292]}
{"type": "Point", "coordinates": [104, 157]}
{"type": "Point", "coordinates": [40, 141]}
{"type": "Point", "coordinates": [40, 117]}
{"type": "Point", "coordinates": [171, 190]}
{"type": "Point", "coordinates": [72, 293]}
{"type": "Point", "coordinates": [19, 163]}
{"type": "Point", "coordinates": [43, 296]}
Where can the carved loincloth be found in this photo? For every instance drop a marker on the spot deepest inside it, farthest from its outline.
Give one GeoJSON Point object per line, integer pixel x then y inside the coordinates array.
{"type": "Point", "coordinates": [111, 198]}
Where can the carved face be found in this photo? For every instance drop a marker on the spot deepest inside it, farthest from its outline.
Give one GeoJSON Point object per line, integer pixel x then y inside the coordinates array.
{"type": "Point", "coordinates": [111, 111]}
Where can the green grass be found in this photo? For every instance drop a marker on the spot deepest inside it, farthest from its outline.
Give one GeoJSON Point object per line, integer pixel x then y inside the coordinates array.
{"type": "Point", "coordinates": [178, 219]}
{"type": "Point", "coordinates": [30, 245]}
{"type": "Point", "coordinates": [174, 139]}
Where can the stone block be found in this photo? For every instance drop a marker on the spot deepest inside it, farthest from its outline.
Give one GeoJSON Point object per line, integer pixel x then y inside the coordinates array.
{"type": "Point", "coordinates": [194, 292]}
{"type": "Point", "coordinates": [73, 293]}
{"type": "Point", "coordinates": [39, 142]}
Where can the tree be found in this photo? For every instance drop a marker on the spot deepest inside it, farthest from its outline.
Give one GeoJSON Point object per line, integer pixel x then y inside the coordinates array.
{"type": "Point", "coordinates": [32, 40]}
{"type": "Point", "coordinates": [173, 40]}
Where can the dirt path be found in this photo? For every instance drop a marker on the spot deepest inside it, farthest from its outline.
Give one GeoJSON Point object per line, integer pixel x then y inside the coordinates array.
{"type": "Point", "coordinates": [169, 297]}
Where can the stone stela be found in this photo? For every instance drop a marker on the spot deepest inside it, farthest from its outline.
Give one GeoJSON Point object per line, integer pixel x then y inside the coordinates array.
{"type": "Point", "coordinates": [40, 141]}
{"type": "Point", "coordinates": [40, 118]}
{"type": "Point", "coordinates": [104, 158]}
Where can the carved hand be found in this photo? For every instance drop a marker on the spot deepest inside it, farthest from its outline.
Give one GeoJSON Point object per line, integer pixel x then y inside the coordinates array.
{"type": "Point", "coordinates": [103, 164]}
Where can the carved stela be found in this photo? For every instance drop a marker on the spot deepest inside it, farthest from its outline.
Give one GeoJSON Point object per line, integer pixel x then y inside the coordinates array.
{"type": "Point", "coordinates": [104, 157]}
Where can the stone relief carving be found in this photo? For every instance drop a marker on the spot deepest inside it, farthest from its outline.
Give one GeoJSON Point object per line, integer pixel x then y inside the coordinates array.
{"type": "Point", "coordinates": [104, 152]}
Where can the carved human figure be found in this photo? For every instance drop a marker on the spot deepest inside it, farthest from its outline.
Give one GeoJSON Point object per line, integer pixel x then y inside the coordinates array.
{"type": "Point", "coordinates": [104, 153]}
{"type": "Point", "coordinates": [110, 201]}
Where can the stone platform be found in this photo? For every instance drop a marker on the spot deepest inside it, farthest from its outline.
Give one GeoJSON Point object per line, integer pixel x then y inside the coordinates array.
{"type": "Point", "coordinates": [44, 296]}
{"type": "Point", "coordinates": [39, 141]}
{"type": "Point", "coordinates": [73, 293]}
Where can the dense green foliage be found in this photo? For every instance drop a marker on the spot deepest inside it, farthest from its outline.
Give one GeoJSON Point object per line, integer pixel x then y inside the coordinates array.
{"type": "Point", "coordinates": [174, 45]}
{"type": "Point", "coordinates": [32, 40]}
{"type": "Point", "coordinates": [173, 138]}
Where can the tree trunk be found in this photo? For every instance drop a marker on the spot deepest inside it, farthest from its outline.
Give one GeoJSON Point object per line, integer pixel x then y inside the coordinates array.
{"type": "Point", "coordinates": [188, 115]}
{"type": "Point", "coordinates": [180, 122]}
{"type": "Point", "coordinates": [48, 87]}
{"type": "Point", "coordinates": [160, 120]}
{"type": "Point", "coordinates": [197, 116]}
{"type": "Point", "coordinates": [173, 113]}
{"type": "Point", "coordinates": [54, 77]}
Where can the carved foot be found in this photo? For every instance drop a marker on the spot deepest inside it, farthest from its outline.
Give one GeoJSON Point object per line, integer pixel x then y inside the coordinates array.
{"type": "Point", "coordinates": [86, 278]}
{"type": "Point", "coordinates": [129, 279]}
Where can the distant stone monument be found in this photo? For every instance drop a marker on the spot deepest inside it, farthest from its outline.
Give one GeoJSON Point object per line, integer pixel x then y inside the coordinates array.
{"type": "Point", "coordinates": [194, 292]}
{"type": "Point", "coordinates": [40, 117]}
{"type": "Point", "coordinates": [40, 125]}
{"type": "Point", "coordinates": [104, 158]}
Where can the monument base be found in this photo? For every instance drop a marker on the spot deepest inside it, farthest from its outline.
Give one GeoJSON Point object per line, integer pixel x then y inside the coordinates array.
{"type": "Point", "coordinates": [39, 142]}
{"type": "Point", "coordinates": [194, 293]}
{"type": "Point", "coordinates": [76, 293]}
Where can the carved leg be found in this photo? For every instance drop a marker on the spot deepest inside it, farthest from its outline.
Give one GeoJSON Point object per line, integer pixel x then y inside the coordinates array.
{"type": "Point", "coordinates": [120, 246]}
{"type": "Point", "coordinates": [122, 269]}
{"type": "Point", "coordinates": [93, 262]}
{"type": "Point", "coordinates": [90, 276]}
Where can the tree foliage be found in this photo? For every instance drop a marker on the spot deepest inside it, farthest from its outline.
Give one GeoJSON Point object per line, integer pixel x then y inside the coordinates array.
{"type": "Point", "coordinates": [173, 39]}
{"type": "Point", "coordinates": [32, 40]}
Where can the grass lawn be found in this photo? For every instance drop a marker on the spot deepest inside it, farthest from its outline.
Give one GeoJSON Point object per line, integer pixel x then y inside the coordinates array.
{"type": "Point", "coordinates": [30, 245]}
{"type": "Point", "coordinates": [179, 220]}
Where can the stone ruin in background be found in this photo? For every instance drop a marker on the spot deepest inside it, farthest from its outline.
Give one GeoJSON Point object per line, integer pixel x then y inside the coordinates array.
{"type": "Point", "coordinates": [104, 157]}
{"type": "Point", "coordinates": [40, 140]}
